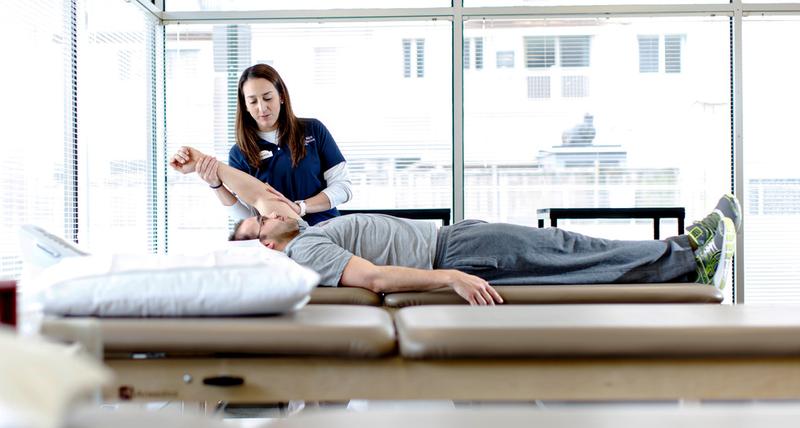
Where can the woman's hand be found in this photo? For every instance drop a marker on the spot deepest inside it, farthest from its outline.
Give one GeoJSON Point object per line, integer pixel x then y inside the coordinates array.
{"type": "Point", "coordinates": [279, 196]}
{"type": "Point", "coordinates": [206, 168]}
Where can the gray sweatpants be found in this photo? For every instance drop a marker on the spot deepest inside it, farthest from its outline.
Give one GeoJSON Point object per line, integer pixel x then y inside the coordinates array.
{"type": "Point", "coordinates": [508, 254]}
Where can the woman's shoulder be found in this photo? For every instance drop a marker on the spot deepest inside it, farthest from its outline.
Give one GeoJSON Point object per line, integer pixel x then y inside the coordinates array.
{"type": "Point", "coordinates": [235, 151]}
{"type": "Point", "coordinates": [311, 124]}
{"type": "Point", "coordinates": [236, 157]}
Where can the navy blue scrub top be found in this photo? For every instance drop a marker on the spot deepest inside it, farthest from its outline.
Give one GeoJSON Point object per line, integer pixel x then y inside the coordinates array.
{"type": "Point", "coordinates": [303, 181]}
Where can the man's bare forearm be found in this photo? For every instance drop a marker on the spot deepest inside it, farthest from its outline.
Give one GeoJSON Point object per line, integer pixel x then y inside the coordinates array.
{"type": "Point", "coordinates": [388, 279]}
{"type": "Point", "coordinates": [253, 192]}
{"type": "Point", "coordinates": [391, 279]}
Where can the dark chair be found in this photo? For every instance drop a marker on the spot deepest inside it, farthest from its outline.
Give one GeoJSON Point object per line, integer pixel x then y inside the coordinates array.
{"type": "Point", "coordinates": [554, 214]}
{"type": "Point", "coordinates": [442, 214]}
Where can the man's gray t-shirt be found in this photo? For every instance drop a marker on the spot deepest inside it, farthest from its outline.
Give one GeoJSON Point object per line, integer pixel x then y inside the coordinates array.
{"type": "Point", "coordinates": [381, 239]}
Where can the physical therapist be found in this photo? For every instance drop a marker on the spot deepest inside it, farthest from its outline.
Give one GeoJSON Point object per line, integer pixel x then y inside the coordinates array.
{"type": "Point", "coordinates": [298, 157]}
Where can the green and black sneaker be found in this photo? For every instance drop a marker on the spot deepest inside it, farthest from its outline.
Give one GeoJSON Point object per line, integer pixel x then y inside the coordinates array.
{"type": "Point", "coordinates": [714, 257]}
{"type": "Point", "coordinates": [700, 231]}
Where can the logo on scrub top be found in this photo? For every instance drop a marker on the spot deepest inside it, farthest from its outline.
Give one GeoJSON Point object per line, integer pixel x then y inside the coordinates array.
{"type": "Point", "coordinates": [309, 139]}
{"type": "Point", "coordinates": [264, 154]}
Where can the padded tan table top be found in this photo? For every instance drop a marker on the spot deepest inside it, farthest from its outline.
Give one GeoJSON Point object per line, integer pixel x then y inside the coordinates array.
{"type": "Point", "coordinates": [750, 416]}
{"type": "Point", "coordinates": [581, 330]}
{"type": "Point", "coordinates": [344, 296]}
{"type": "Point", "coordinates": [560, 294]}
{"type": "Point", "coordinates": [330, 330]}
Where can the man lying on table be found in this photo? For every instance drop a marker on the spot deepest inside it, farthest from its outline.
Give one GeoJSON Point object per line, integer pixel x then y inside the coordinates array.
{"type": "Point", "coordinates": [386, 254]}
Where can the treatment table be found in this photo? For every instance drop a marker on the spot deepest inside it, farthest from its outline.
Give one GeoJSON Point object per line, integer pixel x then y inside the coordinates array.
{"type": "Point", "coordinates": [507, 352]}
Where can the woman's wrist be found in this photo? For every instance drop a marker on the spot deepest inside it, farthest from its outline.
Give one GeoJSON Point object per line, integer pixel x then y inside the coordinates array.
{"type": "Point", "coordinates": [302, 205]}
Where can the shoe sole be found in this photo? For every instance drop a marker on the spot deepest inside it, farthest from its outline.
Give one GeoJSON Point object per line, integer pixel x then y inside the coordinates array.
{"type": "Point", "coordinates": [737, 208]}
{"type": "Point", "coordinates": [722, 273]}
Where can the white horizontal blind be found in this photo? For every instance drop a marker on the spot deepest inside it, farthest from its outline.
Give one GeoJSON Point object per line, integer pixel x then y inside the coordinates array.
{"type": "Point", "coordinates": [221, 5]}
{"type": "Point", "coordinates": [36, 159]}
{"type": "Point", "coordinates": [116, 135]}
{"type": "Point", "coordinates": [383, 90]}
{"type": "Point", "coordinates": [598, 113]}
{"type": "Point", "coordinates": [476, 3]}
{"type": "Point", "coordinates": [771, 149]}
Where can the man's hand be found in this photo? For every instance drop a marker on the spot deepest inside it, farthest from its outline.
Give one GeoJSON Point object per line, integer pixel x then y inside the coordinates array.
{"type": "Point", "coordinates": [185, 159]}
{"type": "Point", "coordinates": [473, 289]}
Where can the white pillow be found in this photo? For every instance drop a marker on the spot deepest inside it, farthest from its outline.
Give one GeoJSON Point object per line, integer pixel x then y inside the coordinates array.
{"type": "Point", "coordinates": [243, 279]}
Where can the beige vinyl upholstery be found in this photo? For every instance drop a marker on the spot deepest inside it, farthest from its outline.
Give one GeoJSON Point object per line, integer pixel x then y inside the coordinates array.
{"type": "Point", "coordinates": [708, 416]}
{"type": "Point", "coordinates": [597, 330]}
{"type": "Point", "coordinates": [561, 294]}
{"type": "Point", "coordinates": [344, 296]}
{"type": "Point", "coordinates": [330, 330]}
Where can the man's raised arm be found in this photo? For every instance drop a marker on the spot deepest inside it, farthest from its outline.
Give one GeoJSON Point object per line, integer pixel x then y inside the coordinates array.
{"type": "Point", "coordinates": [246, 187]}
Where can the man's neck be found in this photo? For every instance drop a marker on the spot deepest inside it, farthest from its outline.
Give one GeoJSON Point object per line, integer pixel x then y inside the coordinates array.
{"type": "Point", "coordinates": [283, 243]}
{"type": "Point", "coordinates": [280, 246]}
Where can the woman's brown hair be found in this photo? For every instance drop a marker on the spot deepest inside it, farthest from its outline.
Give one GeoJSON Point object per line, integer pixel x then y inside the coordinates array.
{"type": "Point", "coordinates": [290, 129]}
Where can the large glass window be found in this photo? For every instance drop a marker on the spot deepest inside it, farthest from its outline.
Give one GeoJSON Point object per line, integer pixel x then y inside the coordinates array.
{"type": "Point", "coordinates": [771, 177]}
{"type": "Point", "coordinates": [558, 112]}
{"type": "Point", "coordinates": [382, 89]}
{"type": "Point", "coordinates": [649, 58]}
{"type": "Point", "coordinates": [115, 127]}
{"type": "Point", "coordinates": [78, 161]}
{"type": "Point", "coordinates": [579, 125]}
{"type": "Point", "coordinates": [36, 159]}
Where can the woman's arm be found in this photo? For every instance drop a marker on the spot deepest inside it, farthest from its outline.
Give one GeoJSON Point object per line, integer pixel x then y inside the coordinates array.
{"type": "Point", "coordinates": [334, 171]}
{"type": "Point", "coordinates": [337, 192]}
{"type": "Point", "coordinates": [339, 185]}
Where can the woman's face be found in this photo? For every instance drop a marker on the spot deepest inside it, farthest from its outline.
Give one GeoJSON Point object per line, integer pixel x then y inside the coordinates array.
{"type": "Point", "coordinates": [262, 102]}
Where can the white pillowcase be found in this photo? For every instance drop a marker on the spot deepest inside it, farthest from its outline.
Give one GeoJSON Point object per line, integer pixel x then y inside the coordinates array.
{"type": "Point", "coordinates": [243, 279]}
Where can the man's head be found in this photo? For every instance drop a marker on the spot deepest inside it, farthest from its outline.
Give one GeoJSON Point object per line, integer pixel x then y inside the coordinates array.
{"type": "Point", "coordinates": [272, 230]}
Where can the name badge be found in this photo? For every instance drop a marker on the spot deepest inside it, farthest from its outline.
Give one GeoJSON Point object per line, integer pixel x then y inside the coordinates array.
{"type": "Point", "coordinates": [264, 154]}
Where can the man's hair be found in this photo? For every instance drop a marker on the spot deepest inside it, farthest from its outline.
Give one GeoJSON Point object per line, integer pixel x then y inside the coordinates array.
{"type": "Point", "coordinates": [232, 236]}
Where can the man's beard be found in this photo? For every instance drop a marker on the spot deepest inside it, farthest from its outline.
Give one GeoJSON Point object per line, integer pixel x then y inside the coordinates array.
{"type": "Point", "coordinates": [288, 230]}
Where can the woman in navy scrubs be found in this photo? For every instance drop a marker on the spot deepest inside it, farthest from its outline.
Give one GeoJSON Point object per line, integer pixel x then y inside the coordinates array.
{"type": "Point", "coordinates": [297, 157]}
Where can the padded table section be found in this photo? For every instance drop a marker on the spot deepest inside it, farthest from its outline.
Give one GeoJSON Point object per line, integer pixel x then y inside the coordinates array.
{"type": "Point", "coordinates": [597, 330]}
{"type": "Point", "coordinates": [344, 296]}
{"type": "Point", "coordinates": [557, 294]}
{"type": "Point", "coordinates": [330, 330]}
{"type": "Point", "coordinates": [564, 416]}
